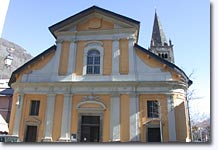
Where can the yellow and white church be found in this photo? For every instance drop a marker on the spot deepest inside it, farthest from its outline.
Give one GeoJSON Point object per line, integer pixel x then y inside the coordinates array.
{"type": "Point", "coordinates": [96, 84]}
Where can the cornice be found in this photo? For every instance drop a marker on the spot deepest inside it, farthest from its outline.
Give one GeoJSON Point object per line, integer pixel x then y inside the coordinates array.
{"type": "Point", "coordinates": [107, 84]}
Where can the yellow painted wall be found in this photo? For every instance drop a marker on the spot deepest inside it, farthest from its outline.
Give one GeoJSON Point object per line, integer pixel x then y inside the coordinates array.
{"type": "Point", "coordinates": [90, 106]}
{"type": "Point", "coordinates": [180, 119]}
{"type": "Point", "coordinates": [106, 122]}
{"type": "Point", "coordinates": [13, 112]}
{"type": "Point", "coordinates": [124, 117]}
{"type": "Point", "coordinates": [26, 119]}
{"type": "Point", "coordinates": [79, 57]}
{"type": "Point", "coordinates": [95, 23]}
{"type": "Point", "coordinates": [107, 66]}
{"type": "Point", "coordinates": [57, 120]}
{"type": "Point", "coordinates": [148, 60]}
{"type": "Point", "coordinates": [64, 58]}
{"type": "Point", "coordinates": [143, 98]}
{"type": "Point", "coordinates": [124, 56]}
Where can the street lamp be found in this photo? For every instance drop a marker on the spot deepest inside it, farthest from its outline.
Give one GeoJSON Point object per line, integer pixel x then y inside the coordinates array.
{"type": "Point", "coordinates": [8, 60]}
{"type": "Point", "coordinates": [7, 64]}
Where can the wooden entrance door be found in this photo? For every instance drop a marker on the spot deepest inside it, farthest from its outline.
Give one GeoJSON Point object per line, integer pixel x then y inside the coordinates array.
{"type": "Point", "coordinates": [154, 135]}
{"type": "Point", "coordinates": [90, 128]}
{"type": "Point", "coordinates": [31, 134]}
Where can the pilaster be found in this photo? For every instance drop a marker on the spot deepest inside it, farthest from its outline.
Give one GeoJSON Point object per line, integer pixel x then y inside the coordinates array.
{"type": "Point", "coordinates": [132, 65]}
{"type": "Point", "coordinates": [134, 117]}
{"type": "Point", "coordinates": [115, 118]}
{"type": "Point", "coordinates": [56, 61]}
{"type": "Point", "coordinates": [171, 118]}
{"type": "Point", "coordinates": [18, 114]}
{"type": "Point", "coordinates": [72, 57]}
{"type": "Point", "coordinates": [66, 118]}
{"type": "Point", "coordinates": [115, 56]}
{"type": "Point", "coordinates": [49, 118]}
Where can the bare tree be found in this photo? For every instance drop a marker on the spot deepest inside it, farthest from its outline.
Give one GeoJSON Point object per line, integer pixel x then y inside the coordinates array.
{"type": "Point", "coordinates": [197, 133]}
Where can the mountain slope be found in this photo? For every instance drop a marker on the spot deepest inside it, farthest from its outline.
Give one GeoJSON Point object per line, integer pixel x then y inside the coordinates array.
{"type": "Point", "coordinates": [19, 54]}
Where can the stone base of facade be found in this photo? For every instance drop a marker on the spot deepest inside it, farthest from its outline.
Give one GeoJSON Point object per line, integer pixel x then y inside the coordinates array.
{"type": "Point", "coordinates": [188, 140]}
{"type": "Point", "coordinates": [47, 139]}
{"type": "Point", "coordinates": [64, 139]}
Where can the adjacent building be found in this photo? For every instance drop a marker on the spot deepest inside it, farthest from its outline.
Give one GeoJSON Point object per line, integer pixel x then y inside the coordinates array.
{"type": "Point", "coordinates": [6, 94]}
{"type": "Point", "coordinates": [97, 84]}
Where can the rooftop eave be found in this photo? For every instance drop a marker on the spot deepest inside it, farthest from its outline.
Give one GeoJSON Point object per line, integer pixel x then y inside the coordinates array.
{"type": "Point", "coordinates": [93, 9]}
{"type": "Point", "coordinates": [169, 64]}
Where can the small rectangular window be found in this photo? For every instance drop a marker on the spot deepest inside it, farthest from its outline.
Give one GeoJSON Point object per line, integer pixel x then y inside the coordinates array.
{"type": "Point", "coordinates": [153, 109]}
{"type": "Point", "coordinates": [34, 108]}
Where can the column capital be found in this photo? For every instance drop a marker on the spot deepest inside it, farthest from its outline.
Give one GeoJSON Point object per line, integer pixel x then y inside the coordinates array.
{"type": "Point", "coordinates": [68, 94]}
{"type": "Point", "coordinates": [133, 94]}
{"type": "Point", "coordinates": [116, 38]}
{"type": "Point", "coordinates": [59, 41]}
{"type": "Point", "coordinates": [115, 95]}
{"type": "Point", "coordinates": [133, 38]}
{"type": "Point", "coordinates": [74, 40]}
{"type": "Point", "coordinates": [20, 94]}
{"type": "Point", "coordinates": [51, 94]}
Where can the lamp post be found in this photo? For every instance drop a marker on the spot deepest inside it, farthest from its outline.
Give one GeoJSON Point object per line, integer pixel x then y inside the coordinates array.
{"type": "Point", "coordinates": [6, 64]}
{"type": "Point", "coordinates": [8, 60]}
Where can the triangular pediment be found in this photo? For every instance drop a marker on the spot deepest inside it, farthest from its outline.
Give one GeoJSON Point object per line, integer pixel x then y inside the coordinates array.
{"type": "Point", "coordinates": [94, 18]}
{"type": "Point", "coordinates": [94, 22]}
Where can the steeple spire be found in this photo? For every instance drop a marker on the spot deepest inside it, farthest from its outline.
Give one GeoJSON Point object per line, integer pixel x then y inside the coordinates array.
{"type": "Point", "coordinates": [159, 44]}
{"type": "Point", "coordinates": [158, 37]}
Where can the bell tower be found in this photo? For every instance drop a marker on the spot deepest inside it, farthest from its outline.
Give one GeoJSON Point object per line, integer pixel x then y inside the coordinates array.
{"type": "Point", "coordinates": [159, 44]}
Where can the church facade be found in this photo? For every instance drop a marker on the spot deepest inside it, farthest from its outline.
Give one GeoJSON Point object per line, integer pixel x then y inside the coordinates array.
{"type": "Point", "coordinates": [96, 84]}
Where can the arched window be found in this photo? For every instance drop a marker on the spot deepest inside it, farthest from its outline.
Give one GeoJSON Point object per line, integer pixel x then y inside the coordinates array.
{"type": "Point", "coordinates": [166, 56]}
{"type": "Point", "coordinates": [93, 62]}
{"type": "Point", "coordinates": [93, 58]}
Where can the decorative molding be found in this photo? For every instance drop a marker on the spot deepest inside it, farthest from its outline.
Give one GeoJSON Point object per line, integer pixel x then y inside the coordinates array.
{"type": "Point", "coordinates": [33, 121]}
{"type": "Point", "coordinates": [94, 43]}
{"type": "Point", "coordinates": [93, 32]}
{"type": "Point", "coordinates": [91, 100]}
{"type": "Point", "coordinates": [153, 121]}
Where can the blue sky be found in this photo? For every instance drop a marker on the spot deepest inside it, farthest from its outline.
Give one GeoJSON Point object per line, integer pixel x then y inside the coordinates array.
{"type": "Point", "coordinates": [186, 23]}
